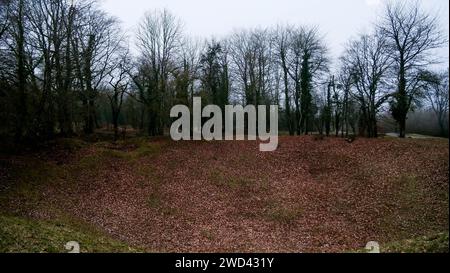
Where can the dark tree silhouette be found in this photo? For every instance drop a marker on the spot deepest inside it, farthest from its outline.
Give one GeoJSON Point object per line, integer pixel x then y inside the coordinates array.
{"type": "Point", "coordinates": [437, 95]}
{"type": "Point", "coordinates": [368, 64]}
{"type": "Point", "coordinates": [411, 33]}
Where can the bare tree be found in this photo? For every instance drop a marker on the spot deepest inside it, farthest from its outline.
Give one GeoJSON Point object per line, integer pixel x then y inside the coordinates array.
{"type": "Point", "coordinates": [5, 7]}
{"type": "Point", "coordinates": [57, 57]}
{"type": "Point", "coordinates": [437, 95]}
{"type": "Point", "coordinates": [214, 78]}
{"type": "Point", "coordinates": [118, 83]}
{"type": "Point", "coordinates": [96, 40]}
{"type": "Point", "coordinates": [345, 83]}
{"type": "Point", "coordinates": [51, 27]}
{"type": "Point", "coordinates": [159, 36]}
{"type": "Point", "coordinates": [411, 33]}
{"type": "Point", "coordinates": [187, 72]}
{"type": "Point", "coordinates": [17, 45]}
{"type": "Point", "coordinates": [282, 38]}
{"type": "Point", "coordinates": [54, 55]}
{"type": "Point", "coordinates": [368, 64]}
{"type": "Point", "coordinates": [308, 61]}
{"type": "Point", "coordinates": [252, 66]}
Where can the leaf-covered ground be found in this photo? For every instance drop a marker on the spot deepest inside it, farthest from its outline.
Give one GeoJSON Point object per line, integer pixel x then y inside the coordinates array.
{"type": "Point", "coordinates": [308, 196]}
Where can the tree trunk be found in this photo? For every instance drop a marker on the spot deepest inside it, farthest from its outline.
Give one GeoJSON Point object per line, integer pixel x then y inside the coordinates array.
{"type": "Point", "coordinates": [21, 76]}
{"type": "Point", "coordinates": [298, 117]}
{"type": "Point", "coordinates": [403, 107]}
{"type": "Point", "coordinates": [287, 105]}
{"type": "Point", "coordinates": [116, 126]}
{"type": "Point", "coordinates": [402, 128]}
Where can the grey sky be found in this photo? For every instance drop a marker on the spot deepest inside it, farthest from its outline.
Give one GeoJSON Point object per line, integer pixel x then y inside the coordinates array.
{"type": "Point", "coordinates": [338, 20]}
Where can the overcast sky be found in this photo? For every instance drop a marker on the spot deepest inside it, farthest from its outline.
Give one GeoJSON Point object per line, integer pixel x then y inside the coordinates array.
{"type": "Point", "coordinates": [338, 20]}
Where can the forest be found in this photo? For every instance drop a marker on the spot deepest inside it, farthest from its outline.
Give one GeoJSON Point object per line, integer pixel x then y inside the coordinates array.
{"type": "Point", "coordinates": [67, 68]}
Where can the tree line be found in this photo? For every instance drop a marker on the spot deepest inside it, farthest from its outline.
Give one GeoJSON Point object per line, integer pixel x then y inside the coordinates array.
{"type": "Point", "coordinates": [66, 68]}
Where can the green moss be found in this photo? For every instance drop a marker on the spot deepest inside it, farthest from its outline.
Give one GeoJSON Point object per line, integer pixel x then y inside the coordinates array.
{"type": "Point", "coordinates": [239, 182]}
{"type": "Point", "coordinates": [144, 149]}
{"type": "Point", "coordinates": [409, 215]}
{"type": "Point", "coordinates": [410, 188]}
{"type": "Point", "coordinates": [137, 141]}
{"type": "Point", "coordinates": [437, 243]}
{"type": "Point", "coordinates": [19, 235]}
{"type": "Point", "coordinates": [31, 177]}
{"type": "Point", "coordinates": [88, 163]}
{"type": "Point", "coordinates": [110, 153]}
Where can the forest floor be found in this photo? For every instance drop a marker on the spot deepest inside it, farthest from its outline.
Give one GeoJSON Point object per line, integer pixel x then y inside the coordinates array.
{"type": "Point", "coordinates": [155, 195]}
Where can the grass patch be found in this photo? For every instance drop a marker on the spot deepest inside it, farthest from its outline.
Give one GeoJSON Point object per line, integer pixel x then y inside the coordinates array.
{"type": "Point", "coordinates": [149, 149]}
{"type": "Point", "coordinates": [408, 214]}
{"type": "Point", "coordinates": [410, 189]}
{"type": "Point", "coordinates": [437, 243]}
{"type": "Point", "coordinates": [29, 178]}
{"type": "Point", "coordinates": [149, 177]}
{"type": "Point", "coordinates": [281, 214]}
{"type": "Point", "coordinates": [207, 234]}
{"type": "Point", "coordinates": [19, 235]}
{"type": "Point", "coordinates": [217, 177]}
{"type": "Point", "coordinates": [154, 200]}
{"type": "Point", "coordinates": [110, 153]}
{"type": "Point", "coordinates": [88, 163]}
{"type": "Point", "coordinates": [70, 144]}
{"type": "Point", "coordinates": [142, 150]}
{"type": "Point", "coordinates": [239, 182]}
{"type": "Point", "coordinates": [220, 179]}
{"type": "Point", "coordinates": [169, 211]}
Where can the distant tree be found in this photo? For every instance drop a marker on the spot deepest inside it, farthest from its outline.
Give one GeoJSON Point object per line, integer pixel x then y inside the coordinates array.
{"type": "Point", "coordinates": [437, 95]}
{"type": "Point", "coordinates": [55, 54]}
{"type": "Point", "coordinates": [187, 72]}
{"type": "Point", "coordinates": [282, 38]}
{"type": "Point", "coordinates": [51, 26]}
{"type": "Point", "coordinates": [64, 69]}
{"type": "Point", "coordinates": [250, 56]}
{"type": "Point", "coordinates": [308, 61]}
{"type": "Point", "coordinates": [95, 44]}
{"type": "Point", "coordinates": [214, 74]}
{"type": "Point", "coordinates": [328, 107]}
{"type": "Point", "coordinates": [251, 67]}
{"type": "Point", "coordinates": [301, 58]}
{"type": "Point", "coordinates": [17, 44]}
{"type": "Point", "coordinates": [411, 34]}
{"type": "Point", "coordinates": [338, 102]}
{"type": "Point", "coordinates": [368, 65]}
{"type": "Point", "coordinates": [345, 83]}
{"type": "Point", "coordinates": [158, 36]}
{"type": "Point", "coordinates": [4, 16]}
{"type": "Point", "coordinates": [118, 83]}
